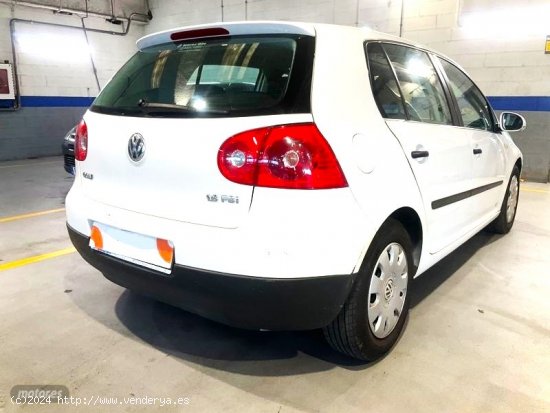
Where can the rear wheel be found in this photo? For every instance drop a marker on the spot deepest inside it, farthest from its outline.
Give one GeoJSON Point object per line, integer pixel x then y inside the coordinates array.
{"type": "Point", "coordinates": [372, 319]}
{"type": "Point", "coordinates": [503, 223]}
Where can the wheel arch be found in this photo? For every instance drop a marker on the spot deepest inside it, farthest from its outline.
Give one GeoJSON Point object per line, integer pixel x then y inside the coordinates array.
{"type": "Point", "coordinates": [410, 220]}
{"type": "Point", "coordinates": [519, 164]}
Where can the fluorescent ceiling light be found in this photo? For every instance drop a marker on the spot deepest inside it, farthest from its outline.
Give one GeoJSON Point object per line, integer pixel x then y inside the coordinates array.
{"type": "Point", "coordinates": [507, 23]}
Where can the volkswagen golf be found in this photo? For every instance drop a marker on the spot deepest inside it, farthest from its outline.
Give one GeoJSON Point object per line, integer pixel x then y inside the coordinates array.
{"type": "Point", "coordinates": [288, 176]}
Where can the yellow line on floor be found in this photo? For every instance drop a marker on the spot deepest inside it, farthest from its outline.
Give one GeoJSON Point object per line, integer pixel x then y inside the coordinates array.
{"type": "Point", "coordinates": [36, 258]}
{"type": "Point", "coordinates": [31, 215]}
{"type": "Point", "coordinates": [540, 191]}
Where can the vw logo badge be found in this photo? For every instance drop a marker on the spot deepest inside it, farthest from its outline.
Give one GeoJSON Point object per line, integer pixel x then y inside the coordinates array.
{"type": "Point", "coordinates": [136, 147]}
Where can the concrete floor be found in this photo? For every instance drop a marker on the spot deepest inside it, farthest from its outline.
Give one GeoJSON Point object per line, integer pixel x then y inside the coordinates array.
{"type": "Point", "coordinates": [477, 339]}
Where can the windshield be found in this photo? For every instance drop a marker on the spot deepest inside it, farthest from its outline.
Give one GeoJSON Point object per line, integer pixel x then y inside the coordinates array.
{"type": "Point", "coordinates": [238, 76]}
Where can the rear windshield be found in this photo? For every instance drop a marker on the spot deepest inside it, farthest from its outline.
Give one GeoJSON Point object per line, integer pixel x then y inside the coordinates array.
{"type": "Point", "coordinates": [237, 76]}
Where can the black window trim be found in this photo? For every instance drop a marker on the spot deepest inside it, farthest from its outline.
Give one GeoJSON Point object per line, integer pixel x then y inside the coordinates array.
{"type": "Point", "coordinates": [496, 128]}
{"type": "Point", "coordinates": [453, 103]}
{"type": "Point", "coordinates": [451, 100]}
{"type": "Point", "coordinates": [403, 103]}
{"type": "Point", "coordinates": [428, 53]}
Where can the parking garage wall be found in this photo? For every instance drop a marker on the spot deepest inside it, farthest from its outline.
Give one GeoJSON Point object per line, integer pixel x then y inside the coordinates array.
{"type": "Point", "coordinates": [56, 77]}
{"type": "Point", "coordinates": [501, 43]}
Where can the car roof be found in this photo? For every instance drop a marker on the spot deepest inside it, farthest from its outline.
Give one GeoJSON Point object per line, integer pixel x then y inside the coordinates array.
{"type": "Point", "coordinates": [274, 27]}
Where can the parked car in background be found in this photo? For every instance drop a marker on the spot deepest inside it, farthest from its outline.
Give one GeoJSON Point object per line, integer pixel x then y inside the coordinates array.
{"type": "Point", "coordinates": [68, 151]}
{"type": "Point", "coordinates": [288, 176]}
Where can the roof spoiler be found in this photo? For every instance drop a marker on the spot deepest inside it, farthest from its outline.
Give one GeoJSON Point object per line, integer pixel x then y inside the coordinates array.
{"type": "Point", "coordinates": [205, 31]}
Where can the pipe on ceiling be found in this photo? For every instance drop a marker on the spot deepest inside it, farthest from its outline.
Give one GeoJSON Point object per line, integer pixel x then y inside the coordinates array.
{"type": "Point", "coordinates": [401, 18]}
{"type": "Point", "coordinates": [14, 52]}
{"type": "Point", "coordinates": [143, 18]}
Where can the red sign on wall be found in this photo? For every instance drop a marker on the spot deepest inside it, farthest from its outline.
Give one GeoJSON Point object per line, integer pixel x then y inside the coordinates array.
{"type": "Point", "coordinates": [4, 85]}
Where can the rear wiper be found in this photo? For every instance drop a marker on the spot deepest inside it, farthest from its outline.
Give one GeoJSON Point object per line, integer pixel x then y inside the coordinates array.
{"type": "Point", "coordinates": [173, 107]}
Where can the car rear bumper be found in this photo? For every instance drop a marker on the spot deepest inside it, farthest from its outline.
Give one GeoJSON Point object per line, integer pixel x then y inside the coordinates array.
{"type": "Point", "coordinates": [285, 234]}
{"type": "Point", "coordinates": [239, 301]}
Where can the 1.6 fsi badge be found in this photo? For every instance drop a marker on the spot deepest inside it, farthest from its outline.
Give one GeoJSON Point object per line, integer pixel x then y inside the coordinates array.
{"type": "Point", "coordinates": [228, 199]}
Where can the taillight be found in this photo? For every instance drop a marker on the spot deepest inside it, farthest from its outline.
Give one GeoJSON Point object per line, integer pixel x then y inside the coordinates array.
{"type": "Point", "coordinates": [287, 156]}
{"type": "Point", "coordinates": [81, 141]}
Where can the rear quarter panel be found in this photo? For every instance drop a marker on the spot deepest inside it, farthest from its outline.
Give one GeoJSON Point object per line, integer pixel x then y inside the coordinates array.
{"type": "Point", "coordinates": [344, 109]}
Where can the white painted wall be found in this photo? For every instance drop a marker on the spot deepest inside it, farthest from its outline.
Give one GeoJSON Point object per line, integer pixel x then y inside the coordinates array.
{"type": "Point", "coordinates": [499, 42]}
{"type": "Point", "coordinates": [62, 72]}
{"type": "Point", "coordinates": [505, 60]}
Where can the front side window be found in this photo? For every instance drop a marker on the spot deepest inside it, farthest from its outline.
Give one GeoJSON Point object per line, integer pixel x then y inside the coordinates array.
{"type": "Point", "coordinates": [474, 109]}
{"type": "Point", "coordinates": [420, 85]}
{"type": "Point", "coordinates": [236, 76]}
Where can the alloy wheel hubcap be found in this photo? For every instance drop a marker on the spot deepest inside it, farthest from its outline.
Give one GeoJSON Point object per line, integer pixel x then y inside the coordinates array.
{"type": "Point", "coordinates": [387, 290]}
{"type": "Point", "coordinates": [512, 202]}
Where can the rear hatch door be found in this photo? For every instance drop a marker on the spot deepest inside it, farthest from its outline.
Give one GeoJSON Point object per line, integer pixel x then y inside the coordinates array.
{"type": "Point", "coordinates": [155, 130]}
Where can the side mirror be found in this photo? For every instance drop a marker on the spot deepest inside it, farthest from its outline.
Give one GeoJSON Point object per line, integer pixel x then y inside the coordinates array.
{"type": "Point", "coordinates": [512, 122]}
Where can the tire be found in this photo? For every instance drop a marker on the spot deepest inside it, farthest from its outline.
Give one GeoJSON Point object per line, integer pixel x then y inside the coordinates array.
{"type": "Point", "coordinates": [356, 331]}
{"type": "Point", "coordinates": [505, 220]}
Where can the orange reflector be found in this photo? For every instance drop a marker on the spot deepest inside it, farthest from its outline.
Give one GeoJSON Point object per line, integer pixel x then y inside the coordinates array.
{"type": "Point", "coordinates": [97, 238]}
{"type": "Point", "coordinates": [165, 249]}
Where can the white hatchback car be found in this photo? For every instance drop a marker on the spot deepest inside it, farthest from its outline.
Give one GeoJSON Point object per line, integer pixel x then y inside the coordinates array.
{"type": "Point", "coordinates": [288, 176]}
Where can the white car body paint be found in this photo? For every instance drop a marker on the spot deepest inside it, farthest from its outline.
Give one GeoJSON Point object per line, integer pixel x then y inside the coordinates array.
{"type": "Point", "coordinates": [283, 233]}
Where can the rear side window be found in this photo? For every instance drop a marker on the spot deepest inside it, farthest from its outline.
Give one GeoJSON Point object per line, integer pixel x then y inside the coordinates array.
{"type": "Point", "coordinates": [238, 76]}
{"type": "Point", "coordinates": [420, 85]}
{"type": "Point", "coordinates": [383, 83]}
{"type": "Point", "coordinates": [474, 109]}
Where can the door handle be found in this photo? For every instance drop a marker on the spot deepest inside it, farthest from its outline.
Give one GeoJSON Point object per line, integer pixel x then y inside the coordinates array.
{"type": "Point", "coordinates": [477, 151]}
{"type": "Point", "coordinates": [419, 154]}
